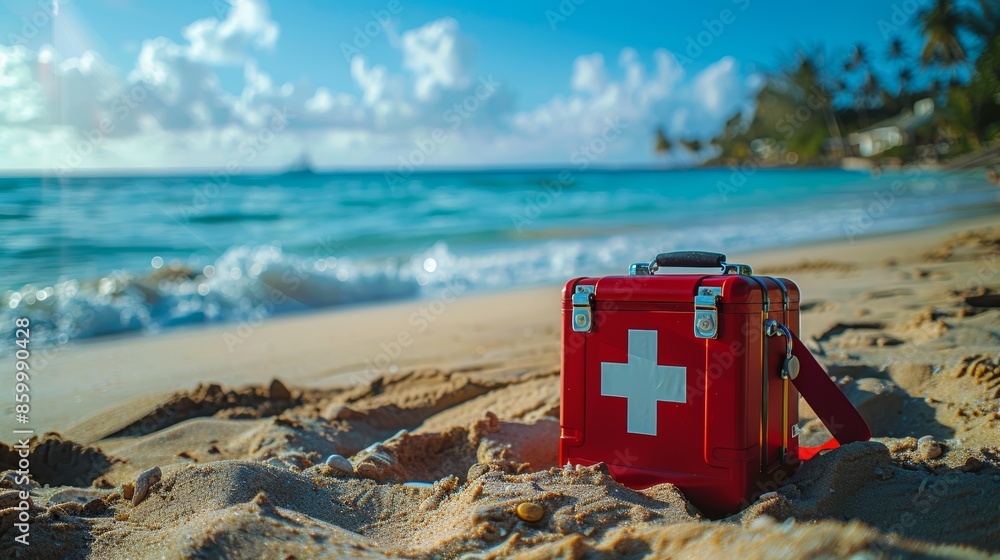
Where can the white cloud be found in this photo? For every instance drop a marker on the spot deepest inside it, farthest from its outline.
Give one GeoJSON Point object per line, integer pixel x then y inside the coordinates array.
{"type": "Point", "coordinates": [176, 90]}
{"type": "Point", "coordinates": [21, 95]}
{"type": "Point", "coordinates": [588, 73]}
{"type": "Point", "coordinates": [247, 24]}
{"type": "Point", "coordinates": [170, 109]}
{"type": "Point", "coordinates": [439, 57]}
{"type": "Point", "coordinates": [692, 108]}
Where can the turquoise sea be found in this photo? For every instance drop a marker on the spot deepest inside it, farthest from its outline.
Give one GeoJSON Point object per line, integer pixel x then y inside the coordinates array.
{"type": "Point", "coordinates": [84, 257]}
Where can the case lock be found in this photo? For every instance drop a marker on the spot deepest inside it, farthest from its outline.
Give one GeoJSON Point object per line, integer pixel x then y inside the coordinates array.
{"type": "Point", "coordinates": [583, 309]}
{"type": "Point", "coordinates": [706, 313]}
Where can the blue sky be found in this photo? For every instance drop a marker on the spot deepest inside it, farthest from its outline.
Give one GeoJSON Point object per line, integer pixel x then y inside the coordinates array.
{"type": "Point", "coordinates": [537, 51]}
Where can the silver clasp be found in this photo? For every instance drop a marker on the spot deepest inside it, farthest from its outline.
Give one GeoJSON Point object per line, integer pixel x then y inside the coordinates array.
{"type": "Point", "coordinates": [706, 312]}
{"type": "Point", "coordinates": [583, 309]}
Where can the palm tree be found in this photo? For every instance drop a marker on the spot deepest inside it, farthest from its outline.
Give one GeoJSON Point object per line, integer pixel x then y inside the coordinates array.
{"type": "Point", "coordinates": [857, 62]}
{"type": "Point", "coordinates": [897, 50]}
{"type": "Point", "coordinates": [985, 25]}
{"type": "Point", "coordinates": [905, 78]}
{"type": "Point", "coordinates": [897, 53]}
{"type": "Point", "coordinates": [692, 145]}
{"type": "Point", "coordinates": [940, 26]}
{"type": "Point", "coordinates": [867, 95]}
{"type": "Point", "coordinates": [662, 145]}
{"type": "Point", "coordinates": [829, 85]}
{"type": "Point", "coordinates": [859, 58]}
{"type": "Point", "coordinates": [812, 80]}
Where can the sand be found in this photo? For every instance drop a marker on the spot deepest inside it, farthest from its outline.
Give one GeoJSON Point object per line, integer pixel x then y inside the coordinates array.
{"type": "Point", "coordinates": [448, 412]}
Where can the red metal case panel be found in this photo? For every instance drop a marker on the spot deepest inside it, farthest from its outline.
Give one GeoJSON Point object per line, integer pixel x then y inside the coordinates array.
{"type": "Point", "coordinates": [657, 404]}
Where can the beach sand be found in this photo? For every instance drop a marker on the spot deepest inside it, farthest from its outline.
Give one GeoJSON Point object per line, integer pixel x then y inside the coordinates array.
{"type": "Point", "coordinates": [908, 324]}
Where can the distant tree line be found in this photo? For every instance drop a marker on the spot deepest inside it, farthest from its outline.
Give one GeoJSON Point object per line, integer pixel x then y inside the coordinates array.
{"type": "Point", "coordinates": [807, 110]}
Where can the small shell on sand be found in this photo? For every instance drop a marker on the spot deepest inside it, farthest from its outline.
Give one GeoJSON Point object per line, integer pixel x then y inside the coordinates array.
{"type": "Point", "coordinates": [378, 463]}
{"type": "Point", "coordinates": [529, 511]}
{"type": "Point", "coordinates": [340, 463]}
{"type": "Point", "coordinates": [10, 478]}
{"type": "Point", "coordinates": [928, 448]}
{"type": "Point", "coordinates": [145, 481]}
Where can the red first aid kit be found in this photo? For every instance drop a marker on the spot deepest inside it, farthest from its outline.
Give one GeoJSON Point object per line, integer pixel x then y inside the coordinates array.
{"type": "Point", "coordinates": [692, 379]}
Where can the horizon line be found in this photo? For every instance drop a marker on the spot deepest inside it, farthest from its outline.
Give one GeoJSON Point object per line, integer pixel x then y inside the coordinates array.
{"type": "Point", "coordinates": [127, 173]}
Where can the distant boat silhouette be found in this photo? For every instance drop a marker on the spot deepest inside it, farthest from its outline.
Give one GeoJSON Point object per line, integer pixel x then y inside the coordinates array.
{"type": "Point", "coordinates": [302, 166]}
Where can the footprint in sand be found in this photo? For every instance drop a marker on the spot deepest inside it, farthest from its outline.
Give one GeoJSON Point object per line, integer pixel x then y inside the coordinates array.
{"type": "Point", "coordinates": [883, 294]}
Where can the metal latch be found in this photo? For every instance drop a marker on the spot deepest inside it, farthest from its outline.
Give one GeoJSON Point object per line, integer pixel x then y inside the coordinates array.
{"type": "Point", "coordinates": [583, 309]}
{"type": "Point", "coordinates": [706, 314]}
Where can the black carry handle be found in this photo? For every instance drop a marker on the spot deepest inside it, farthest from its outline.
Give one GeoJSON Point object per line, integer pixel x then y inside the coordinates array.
{"type": "Point", "coordinates": [691, 259]}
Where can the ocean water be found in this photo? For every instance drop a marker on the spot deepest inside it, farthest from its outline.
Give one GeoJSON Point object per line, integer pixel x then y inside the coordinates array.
{"type": "Point", "coordinates": [86, 257]}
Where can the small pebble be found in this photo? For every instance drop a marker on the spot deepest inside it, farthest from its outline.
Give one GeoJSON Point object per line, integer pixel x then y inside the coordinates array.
{"type": "Point", "coordinates": [128, 490]}
{"type": "Point", "coordinates": [12, 498]}
{"type": "Point", "coordinates": [10, 478]}
{"type": "Point", "coordinates": [530, 511]}
{"type": "Point", "coordinates": [928, 448]}
{"type": "Point", "coordinates": [143, 484]}
{"type": "Point", "coordinates": [340, 463]}
{"type": "Point", "coordinates": [972, 464]}
{"type": "Point", "coordinates": [278, 392]}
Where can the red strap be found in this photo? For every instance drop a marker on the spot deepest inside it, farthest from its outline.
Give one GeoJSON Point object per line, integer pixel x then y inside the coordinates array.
{"type": "Point", "coordinates": [806, 453]}
{"type": "Point", "coordinates": [827, 401]}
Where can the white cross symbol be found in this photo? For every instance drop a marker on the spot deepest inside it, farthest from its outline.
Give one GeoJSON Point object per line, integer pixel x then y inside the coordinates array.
{"type": "Point", "coordinates": [643, 382]}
